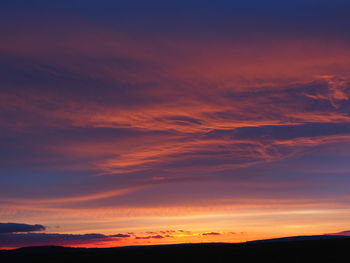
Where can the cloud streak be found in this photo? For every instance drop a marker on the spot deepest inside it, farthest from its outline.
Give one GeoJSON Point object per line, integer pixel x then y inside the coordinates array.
{"type": "Point", "coordinates": [43, 239]}
{"type": "Point", "coordinates": [9, 228]}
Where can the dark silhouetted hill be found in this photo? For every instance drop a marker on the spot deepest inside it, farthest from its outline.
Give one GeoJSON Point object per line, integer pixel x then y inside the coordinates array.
{"type": "Point", "coordinates": [296, 238]}
{"type": "Point", "coordinates": [309, 249]}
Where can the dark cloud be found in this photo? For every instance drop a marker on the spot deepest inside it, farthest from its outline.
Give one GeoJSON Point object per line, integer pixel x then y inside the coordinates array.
{"type": "Point", "coordinates": [17, 235]}
{"type": "Point", "coordinates": [121, 235]}
{"type": "Point", "coordinates": [150, 237]}
{"type": "Point", "coordinates": [16, 239]}
{"type": "Point", "coordinates": [43, 239]}
{"type": "Point", "coordinates": [211, 234]}
{"type": "Point", "coordinates": [7, 228]}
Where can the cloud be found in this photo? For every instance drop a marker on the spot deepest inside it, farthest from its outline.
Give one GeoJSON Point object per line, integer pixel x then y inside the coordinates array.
{"type": "Point", "coordinates": [7, 228]}
{"type": "Point", "coordinates": [121, 235]}
{"type": "Point", "coordinates": [18, 235]}
{"type": "Point", "coordinates": [150, 237]}
{"type": "Point", "coordinates": [12, 240]}
{"type": "Point", "coordinates": [211, 234]}
{"type": "Point", "coordinates": [44, 239]}
{"type": "Point", "coordinates": [235, 129]}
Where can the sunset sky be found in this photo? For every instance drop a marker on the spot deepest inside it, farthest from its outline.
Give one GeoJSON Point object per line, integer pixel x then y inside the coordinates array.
{"type": "Point", "coordinates": [136, 122]}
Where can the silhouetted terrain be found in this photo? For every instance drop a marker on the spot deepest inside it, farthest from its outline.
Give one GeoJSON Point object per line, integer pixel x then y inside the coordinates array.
{"type": "Point", "coordinates": [314, 249]}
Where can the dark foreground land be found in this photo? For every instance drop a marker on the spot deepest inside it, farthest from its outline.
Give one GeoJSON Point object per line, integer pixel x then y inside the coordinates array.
{"type": "Point", "coordinates": [314, 250]}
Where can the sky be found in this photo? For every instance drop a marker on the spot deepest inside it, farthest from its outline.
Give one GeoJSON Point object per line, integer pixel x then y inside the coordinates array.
{"type": "Point", "coordinates": [135, 122]}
